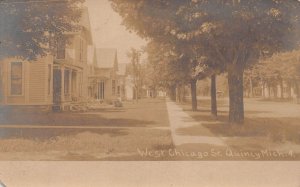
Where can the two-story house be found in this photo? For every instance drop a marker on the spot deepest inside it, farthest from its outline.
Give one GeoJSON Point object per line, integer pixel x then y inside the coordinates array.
{"type": "Point", "coordinates": [48, 81]}
{"type": "Point", "coordinates": [70, 69]}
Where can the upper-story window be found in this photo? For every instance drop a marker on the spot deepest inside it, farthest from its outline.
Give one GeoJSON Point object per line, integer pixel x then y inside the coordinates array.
{"type": "Point", "coordinates": [16, 78]}
{"type": "Point", "coordinates": [61, 49]}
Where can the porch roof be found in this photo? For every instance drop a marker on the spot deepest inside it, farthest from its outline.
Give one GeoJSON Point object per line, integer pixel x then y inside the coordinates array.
{"type": "Point", "coordinates": [67, 65]}
{"type": "Point", "coordinates": [98, 77]}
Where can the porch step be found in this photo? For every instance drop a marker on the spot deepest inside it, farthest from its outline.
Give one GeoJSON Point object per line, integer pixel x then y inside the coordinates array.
{"type": "Point", "coordinates": [56, 108]}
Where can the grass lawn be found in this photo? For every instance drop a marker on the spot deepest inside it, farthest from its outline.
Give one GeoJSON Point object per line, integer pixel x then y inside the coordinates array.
{"type": "Point", "coordinates": [268, 125]}
{"type": "Point", "coordinates": [104, 134]}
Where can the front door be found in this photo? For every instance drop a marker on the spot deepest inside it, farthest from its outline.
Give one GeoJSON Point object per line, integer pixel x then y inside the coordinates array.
{"type": "Point", "coordinates": [57, 86]}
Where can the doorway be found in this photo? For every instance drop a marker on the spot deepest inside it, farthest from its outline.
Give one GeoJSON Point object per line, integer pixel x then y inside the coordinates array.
{"type": "Point", "coordinates": [57, 86]}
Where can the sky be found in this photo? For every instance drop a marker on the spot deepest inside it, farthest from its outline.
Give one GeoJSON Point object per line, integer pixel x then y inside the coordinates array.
{"type": "Point", "coordinates": [108, 32]}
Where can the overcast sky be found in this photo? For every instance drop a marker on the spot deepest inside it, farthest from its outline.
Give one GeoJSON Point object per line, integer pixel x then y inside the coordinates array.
{"type": "Point", "coordinates": [108, 31]}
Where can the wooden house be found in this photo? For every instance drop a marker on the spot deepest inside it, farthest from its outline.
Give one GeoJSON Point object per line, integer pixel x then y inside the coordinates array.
{"type": "Point", "coordinates": [70, 70]}
{"type": "Point", "coordinates": [103, 83]}
{"type": "Point", "coordinates": [51, 81]}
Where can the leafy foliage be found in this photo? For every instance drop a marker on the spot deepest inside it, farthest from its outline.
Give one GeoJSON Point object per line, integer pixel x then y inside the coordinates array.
{"type": "Point", "coordinates": [230, 35]}
{"type": "Point", "coordinates": [277, 68]}
{"type": "Point", "coordinates": [31, 28]}
{"type": "Point", "coordinates": [226, 31]}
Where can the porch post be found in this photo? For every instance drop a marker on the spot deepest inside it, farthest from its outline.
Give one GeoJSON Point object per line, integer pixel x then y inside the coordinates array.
{"type": "Point", "coordinates": [98, 90]}
{"type": "Point", "coordinates": [62, 93]}
{"type": "Point", "coordinates": [70, 84]}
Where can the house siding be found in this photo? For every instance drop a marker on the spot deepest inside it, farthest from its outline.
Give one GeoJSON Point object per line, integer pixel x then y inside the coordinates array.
{"type": "Point", "coordinates": [37, 80]}
{"type": "Point", "coordinates": [34, 82]}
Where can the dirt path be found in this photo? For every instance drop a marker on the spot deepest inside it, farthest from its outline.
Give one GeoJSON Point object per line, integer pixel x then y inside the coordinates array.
{"type": "Point", "coordinates": [179, 119]}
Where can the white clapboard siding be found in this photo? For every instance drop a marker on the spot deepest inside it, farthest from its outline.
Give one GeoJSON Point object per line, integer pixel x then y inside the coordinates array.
{"type": "Point", "coordinates": [37, 82]}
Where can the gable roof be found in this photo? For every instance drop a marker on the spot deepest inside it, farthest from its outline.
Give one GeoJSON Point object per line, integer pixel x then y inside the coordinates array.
{"type": "Point", "coordinates": [106, 58]}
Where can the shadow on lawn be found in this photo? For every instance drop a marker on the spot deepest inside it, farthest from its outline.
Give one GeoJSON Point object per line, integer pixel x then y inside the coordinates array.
{"type": "Point", "coordinates": [278, 130]}
{"type": "Point", "coordinates": [48, 134]}
{"type": "Point", "coordinates": [70, 119]}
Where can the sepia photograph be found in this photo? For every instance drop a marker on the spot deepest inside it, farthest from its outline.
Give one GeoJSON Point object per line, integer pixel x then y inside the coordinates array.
{"type": "Point", "coordinates": [186, 81]}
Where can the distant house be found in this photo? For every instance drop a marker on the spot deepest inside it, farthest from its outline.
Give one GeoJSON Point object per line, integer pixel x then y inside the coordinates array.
{"type": "Point", "coordinates": [103, 85]}
{"type": "Point", "coordinates": [124, 86]}
{"type": "Point", "coordinates": [49, 81]}
{"type": "Point", "coordinates": [129, 87]}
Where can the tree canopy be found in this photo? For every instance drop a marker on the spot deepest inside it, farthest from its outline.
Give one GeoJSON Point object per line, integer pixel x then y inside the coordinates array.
{"type": "Point", "coordinates": [29, 29]}
{"type": "Point", "coordinates": [231, 34]}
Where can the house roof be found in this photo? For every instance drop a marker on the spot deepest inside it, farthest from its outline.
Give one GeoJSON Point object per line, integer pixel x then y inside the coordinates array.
{"type": "Point", "coordinates": [106, 58]}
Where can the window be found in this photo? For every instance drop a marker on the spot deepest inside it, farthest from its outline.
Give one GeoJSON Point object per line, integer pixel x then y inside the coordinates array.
{"type": "Point", "coordinates": [113, 87]}
{"type": "Point", "coordinates": [49, 78]}
{"type": "Point", "coordinates": [80, 83]}
{"type": "Point", "coordinates": [74, 82]}
{"type": "Point", "coordinates": [100, 91]}
{"type": "Point", "coordinates": [61, 49]}
{"type": "Point", "coordinates": [16, 79]}
{"type": "Point", "coordinates": [118, 91]}
{"type": "Point", "coordinates": [67, 82]}
{"type": "Point", "coordinates": [81, 50]}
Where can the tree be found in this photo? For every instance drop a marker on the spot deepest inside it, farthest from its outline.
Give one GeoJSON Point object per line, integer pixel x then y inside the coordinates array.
{"type": "Point", "coordinates": [278, 69]}
{"type": "Point", "coordinates": [234, 33]}
{"type": "Point", "coordinates": [169, 68]}
{"type": "Point", "coordinates": [180, 67]}
{"type": "Point", "coordinates": [29, 29]}
{"type": "Point", "coordinates": [134, 55]}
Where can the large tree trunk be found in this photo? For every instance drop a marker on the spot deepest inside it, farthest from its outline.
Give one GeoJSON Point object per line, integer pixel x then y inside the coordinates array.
{"type": "Point", "coordinates": [236, 100]}
{"type": "Point", "coordinates": [251, 87]}
{"type": "Point", "coordinates": [297, 92]}
{"type": "Point", "coordinates": [213, 94]}
{"type": "Point", "coordinates": [172, 93]}
{"type": "Point", "coordinates": [177, 94]}
{"type": "Point", "coordinates": [269, 91]}
{"type": "Point", "coordinates": [263, 94]}
{"type": "Point", "coordinates": [136, 94]}
{"type": "Point", "coordinates": [194, 94]}
{"type": "Point", "coordinates": [181, 93]}
{"type": "Point", "coordinates": [289, 90]}
{"type": "Point", "coordinates": [281, 89]}
{"type": "Point", "coordinates": [274, 88]}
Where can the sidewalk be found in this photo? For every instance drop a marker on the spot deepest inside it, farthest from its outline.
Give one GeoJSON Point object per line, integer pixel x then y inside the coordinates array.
{"type": "Point", "coordinates": [179, 119]}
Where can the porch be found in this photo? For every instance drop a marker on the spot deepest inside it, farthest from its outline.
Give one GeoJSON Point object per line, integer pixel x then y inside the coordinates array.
{"type": "Point", "coordinates": [67, 86]}
{"type": "Point", "coordinates": [100, 88]}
